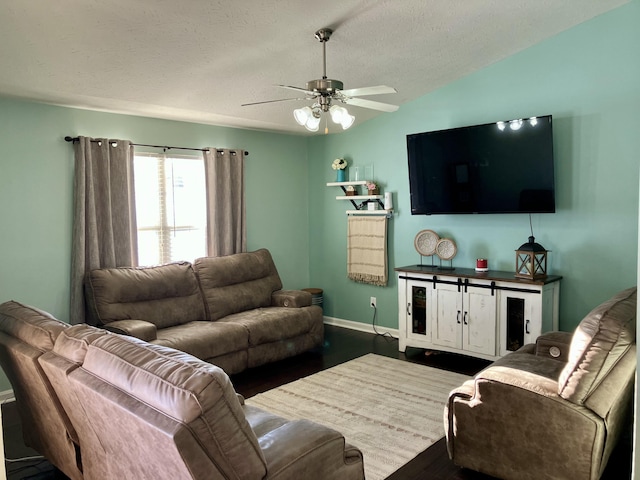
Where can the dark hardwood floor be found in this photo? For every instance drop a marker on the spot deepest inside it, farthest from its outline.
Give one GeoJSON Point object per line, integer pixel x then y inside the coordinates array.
{"type": "Point", "coordinates": [340, 345]}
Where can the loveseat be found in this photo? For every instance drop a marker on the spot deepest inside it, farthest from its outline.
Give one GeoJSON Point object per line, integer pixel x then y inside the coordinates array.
{"type": "Point", "coordinates": [114, 406]}
{"type": "Point", "coordinates": [554, 409]}
{"type": "Point", "coordinates": [230, 311]}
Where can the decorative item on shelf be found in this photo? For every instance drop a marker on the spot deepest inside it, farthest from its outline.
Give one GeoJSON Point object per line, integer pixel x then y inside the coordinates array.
{"type": "Point", "coordinates": [340, 166]}
{"type": "Point", "coordinates": [372, 205]}
{"type": "Point", "coordinates": [350, 191]}
{"type": "Point", "coordinates": [482, 265]}
{"type": "Point", "coordinates": [425, 244]}
{"type": "Point", "coordinates": [372, 188]}
{"type": "Point", "coordinates": [531, 260]}
{"type": "Point", "coordinates": [388, 201]}
{"type": "Point", "coordinates": [446, 249]}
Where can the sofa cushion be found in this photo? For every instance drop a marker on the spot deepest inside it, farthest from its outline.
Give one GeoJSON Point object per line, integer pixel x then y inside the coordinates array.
{"type": "Point", "coordinates": [205, 340]}
{"type": "Point", "coordinates": [602, 338]}
{"type": "Point", "coordinates": [30, 325]}
{"type": "Point", "coordinates": [164, 295]}
{"type": "Point", "coordinates": [187, 390]}
{"type": "Point", "coordinates": [72, 343]}
{"type": "Point", "coordinates": [236, 283]}
{"type": "Point", "coordinates": [272, 324]}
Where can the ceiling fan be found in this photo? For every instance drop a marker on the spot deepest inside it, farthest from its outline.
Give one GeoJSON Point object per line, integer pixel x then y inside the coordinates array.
{"type": "Point", "coordinates": [326, 93]}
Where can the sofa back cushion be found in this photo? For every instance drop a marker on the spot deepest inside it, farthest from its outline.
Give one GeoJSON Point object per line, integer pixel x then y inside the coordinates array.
{"type": "Point", "coordinates": [165, 295]}
{"type": "Point", "coordinates": [600, 342]}
{"type": "Point", "coordinates": [236, 283]}
{"type": "Point", "coordinates": [181, 388]}
{"type": "Point", "coordinates": [27, 333]}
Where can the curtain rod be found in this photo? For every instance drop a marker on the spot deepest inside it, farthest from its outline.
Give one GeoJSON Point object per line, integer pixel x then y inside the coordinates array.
{"type": "Point", "coordinates": [75, 139]}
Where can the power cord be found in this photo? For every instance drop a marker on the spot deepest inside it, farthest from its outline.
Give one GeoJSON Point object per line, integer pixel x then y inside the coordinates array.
{"type": "Point", "coordinates": [24, 459]}
{"type": "Point", "coordinates": [373, 323]}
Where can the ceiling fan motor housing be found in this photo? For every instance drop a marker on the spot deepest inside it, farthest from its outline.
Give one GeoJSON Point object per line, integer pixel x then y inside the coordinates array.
{"type": "Point", "coordinates": [324, 86]}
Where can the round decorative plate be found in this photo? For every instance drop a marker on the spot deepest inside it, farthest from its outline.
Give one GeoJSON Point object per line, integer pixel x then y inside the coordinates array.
{"type": "Point", "coordinates": [425, 242]}
{"type": "Point", "coordinates": [446, 249]}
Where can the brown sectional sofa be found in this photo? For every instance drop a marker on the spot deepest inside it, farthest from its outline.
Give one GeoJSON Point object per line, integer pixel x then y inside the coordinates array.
{"type": "Point", "coordinates": [113, 406]}
{"type": "Point", "coordinates": [230, 311]}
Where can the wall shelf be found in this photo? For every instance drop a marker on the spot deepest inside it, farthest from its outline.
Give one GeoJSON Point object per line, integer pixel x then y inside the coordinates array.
{"type": "Point", "coordinates": [386, 213]}
{"type": "Point", "coordinates": [362, 208]}
{"type": "Point", "coordinates": [345, 184]}
{"type": "Point", "coordinates": [359, 197]}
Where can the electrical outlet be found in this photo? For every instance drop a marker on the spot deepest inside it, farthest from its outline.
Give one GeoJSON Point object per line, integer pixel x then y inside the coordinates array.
{"type": "Point", "coordinates": [372, 302]}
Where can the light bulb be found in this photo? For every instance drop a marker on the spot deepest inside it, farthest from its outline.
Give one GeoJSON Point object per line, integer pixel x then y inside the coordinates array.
{"type": "Point", "coordinates": [501, 125]}
{"type": "Point", "coordinates": [313, 122]}
{"type": "Point", "coordinates": [337, 113]}
{"type": "Point", "coordinates": [347, 121]}
{"type": "Point", "coordinates": [515, 124]}
{"type": "Point", "coordinates": [302, 115]}
{"type": "Point", "coordinates": [533, 121]}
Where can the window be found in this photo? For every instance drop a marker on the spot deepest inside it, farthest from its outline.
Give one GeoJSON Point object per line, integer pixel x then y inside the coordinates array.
{"type": "Point", "coordinates": [170, 208]}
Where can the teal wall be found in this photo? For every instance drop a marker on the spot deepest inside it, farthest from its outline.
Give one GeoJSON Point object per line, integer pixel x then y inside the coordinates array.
{"type": "Point", "coordinates": [588, 78]}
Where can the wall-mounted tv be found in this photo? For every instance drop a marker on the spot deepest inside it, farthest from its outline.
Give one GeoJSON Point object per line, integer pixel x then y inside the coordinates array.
{"type": "Point", "coordinates": [501, 167]}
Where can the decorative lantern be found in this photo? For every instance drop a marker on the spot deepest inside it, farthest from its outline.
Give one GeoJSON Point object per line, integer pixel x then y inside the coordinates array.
{"type": "Point", "coordinates": [531, 260]}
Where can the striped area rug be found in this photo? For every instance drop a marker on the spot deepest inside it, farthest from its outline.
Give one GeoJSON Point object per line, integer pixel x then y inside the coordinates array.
{"type": "Point", "coordinates": [390, 409]}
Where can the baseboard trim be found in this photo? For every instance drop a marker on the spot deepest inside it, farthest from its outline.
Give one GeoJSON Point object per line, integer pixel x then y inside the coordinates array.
{"type": "Point", "coordinates": [7, 396]}
{"type": "Point", "coordinates": [361, 327]}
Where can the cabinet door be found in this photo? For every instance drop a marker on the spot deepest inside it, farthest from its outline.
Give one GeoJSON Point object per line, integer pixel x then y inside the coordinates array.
{"type": "Point", "coordinates": [520, 319]}
{"type": "Point", "coordinates": [447, 316]}
{"type": "Point", "coordinates": [479, 321]}
{"type": "Point", "coordinates": [418, 301]}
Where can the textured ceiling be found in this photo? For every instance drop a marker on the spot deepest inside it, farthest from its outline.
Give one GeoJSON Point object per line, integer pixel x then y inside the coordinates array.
{"type": "Point", "coordinates": [199, 60]}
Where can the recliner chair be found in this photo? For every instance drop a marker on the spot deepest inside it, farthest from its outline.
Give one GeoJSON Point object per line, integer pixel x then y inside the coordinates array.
{"type": "Point", "coordinates": [26, 333]}
{"type": "Point", "coordinates": [551, 410]}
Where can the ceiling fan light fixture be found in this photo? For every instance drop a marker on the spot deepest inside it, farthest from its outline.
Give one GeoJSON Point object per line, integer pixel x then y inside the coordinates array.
{"type": "Point", "coordinates": [347, 121]}
{"type": "Point", "coordinates": [313, 122]}
{"type": "Point", "coordinates": [337, 113]}
{"type": "Point", "coordinates": [341, 116]}
{"type": "Point", "coordinates": [312, 126]}
{"type": "Point", "coordinates": [302, 115]}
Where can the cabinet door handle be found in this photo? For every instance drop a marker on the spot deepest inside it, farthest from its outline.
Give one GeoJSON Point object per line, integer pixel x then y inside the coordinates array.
{"type": "Point", "coordinates": [526, 328]}
{"type": "Point", "coordinates": [409, 308]}
{"type": "Point", "coordinates": [464, 318]}
{"type": "Point", "coordinates": [458, 317]}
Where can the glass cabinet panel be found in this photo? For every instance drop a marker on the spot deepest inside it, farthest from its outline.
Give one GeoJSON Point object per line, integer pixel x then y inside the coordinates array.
{"type": "Point", "coordinates": [419, 310]}
{"type": "Point", "coordinates": [515, 323]}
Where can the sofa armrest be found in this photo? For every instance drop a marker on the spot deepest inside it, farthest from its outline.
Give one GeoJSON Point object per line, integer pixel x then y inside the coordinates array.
{"type": "Point", "coordinates": [141, 329]}
{"type": "Point", "coordinates": [554, 345]}
{"type": "Point", "coordinates": [290, 298]}
{"type": "Point", "coordinates": [302, 448]}
{"type": "Point", "coordinates": [515, 417]}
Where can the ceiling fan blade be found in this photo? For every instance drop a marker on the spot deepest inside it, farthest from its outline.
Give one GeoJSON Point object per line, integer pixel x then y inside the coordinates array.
{"type": "Point", "coordinates": [377, 90]}
{"type": "Point", "coordinates": [298, 89]}
{"type": "Point", "coordinates": [271, 101]}
{"type": "Point", "coordinates": [361, 102]}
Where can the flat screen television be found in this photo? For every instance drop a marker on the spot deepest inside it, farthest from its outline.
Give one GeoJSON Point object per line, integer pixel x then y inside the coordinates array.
{"type": "Point", "coordinates": [501, 167]}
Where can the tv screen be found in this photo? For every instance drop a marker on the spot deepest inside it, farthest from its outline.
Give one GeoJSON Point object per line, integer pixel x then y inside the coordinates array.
{"type": "Point", "coordinates": [501, 167]}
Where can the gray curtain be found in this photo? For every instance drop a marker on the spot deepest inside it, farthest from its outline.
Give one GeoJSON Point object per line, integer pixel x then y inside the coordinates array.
{"type": "Point", "coordinates": [104, 220]}
{"type": "Point", "coordinates": [226, 217]}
